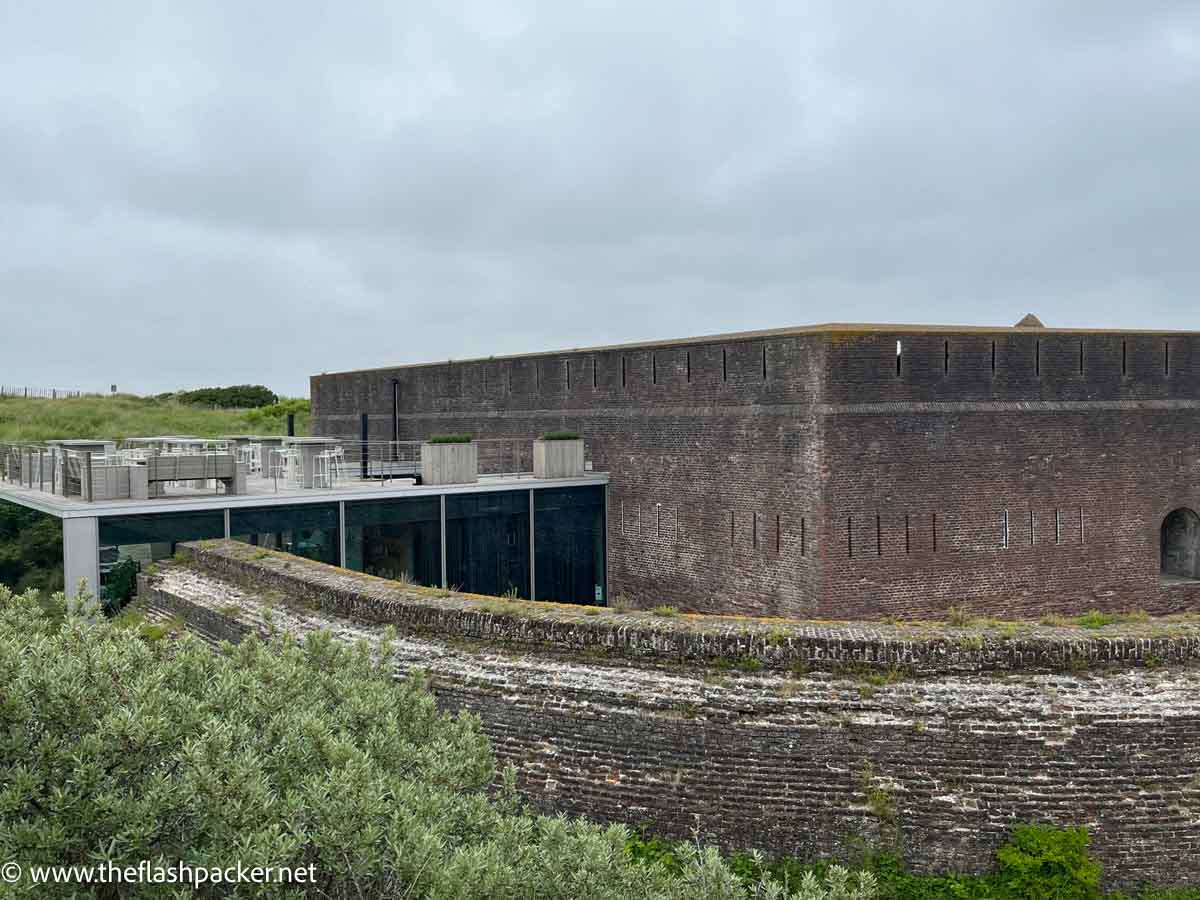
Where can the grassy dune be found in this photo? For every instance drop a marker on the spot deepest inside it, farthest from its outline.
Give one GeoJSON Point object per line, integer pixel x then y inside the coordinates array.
{"type": "Point", "coordinates": [124, 416]}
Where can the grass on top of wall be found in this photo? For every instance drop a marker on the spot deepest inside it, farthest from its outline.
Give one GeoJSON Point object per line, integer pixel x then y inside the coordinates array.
{"type": "Point", "coordinates": [123, 416]}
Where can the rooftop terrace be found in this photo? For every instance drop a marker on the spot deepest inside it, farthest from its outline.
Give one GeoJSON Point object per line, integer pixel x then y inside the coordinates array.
{"type": "Point", "coordinates": [174, 473]}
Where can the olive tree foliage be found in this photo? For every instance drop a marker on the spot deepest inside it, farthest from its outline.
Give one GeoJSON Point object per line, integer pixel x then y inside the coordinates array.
{"type": "Point", "coordinates": [119, 745]}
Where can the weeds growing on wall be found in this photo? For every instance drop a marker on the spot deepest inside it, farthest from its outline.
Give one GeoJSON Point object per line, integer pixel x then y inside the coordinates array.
{"type": "Point", "coordinates": [1039, 862]}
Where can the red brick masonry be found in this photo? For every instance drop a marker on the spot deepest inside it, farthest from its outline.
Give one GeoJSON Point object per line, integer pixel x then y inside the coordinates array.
{"type": "Point", "coordinates": [817, 472]}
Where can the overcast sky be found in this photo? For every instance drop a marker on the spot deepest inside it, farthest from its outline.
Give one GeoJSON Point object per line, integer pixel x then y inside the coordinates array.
{"type": "Point", "coordinates": [260, 191]}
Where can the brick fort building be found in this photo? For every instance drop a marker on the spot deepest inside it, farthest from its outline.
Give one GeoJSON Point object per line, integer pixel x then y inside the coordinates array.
{"type": "Point", "coordinates": [854, 471]}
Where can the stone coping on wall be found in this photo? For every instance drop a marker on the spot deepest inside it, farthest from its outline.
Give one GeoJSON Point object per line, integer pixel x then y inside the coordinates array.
{"type": "Point", "coordinates": [668, 638]}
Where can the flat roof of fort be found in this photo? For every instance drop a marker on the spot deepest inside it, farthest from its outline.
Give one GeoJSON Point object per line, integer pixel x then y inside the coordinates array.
{"type": "Point", "coordinates": [1033, 327]}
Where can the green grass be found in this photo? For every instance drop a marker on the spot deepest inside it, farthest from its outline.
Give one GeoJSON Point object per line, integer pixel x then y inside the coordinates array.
{"type": "Point", "coordinates": [124, 416]}
{"type": "Point", "coordinates": [1095, 619]}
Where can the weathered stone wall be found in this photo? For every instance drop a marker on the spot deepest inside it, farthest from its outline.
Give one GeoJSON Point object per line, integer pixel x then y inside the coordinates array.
{"type": "Point", "coordinates": [758, 644]}
{"type": "Point", "coordinates": [700, 723]}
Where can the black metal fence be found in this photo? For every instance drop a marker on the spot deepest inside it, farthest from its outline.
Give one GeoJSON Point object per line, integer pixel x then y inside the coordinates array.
{"type": "Point", "coordinates": [7, 390]}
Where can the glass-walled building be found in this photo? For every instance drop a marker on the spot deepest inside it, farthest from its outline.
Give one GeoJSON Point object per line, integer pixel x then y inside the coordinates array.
{"type": "Point", "coordinates": [399, 539]}
{"type": "Point", "coordinates": [569, 536]}
{"type": "Point", "coordinates": [542, 541]}
{"type": "Point", "coordinates": [487, 543]}
{"type": "Point", "coordinates": [146, 538]}
{"type": "Point", "coordinates": [310, 530]}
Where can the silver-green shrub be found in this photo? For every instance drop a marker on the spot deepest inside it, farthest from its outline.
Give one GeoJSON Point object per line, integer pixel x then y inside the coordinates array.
{"type": "Point", "coordinates": [117, 744]}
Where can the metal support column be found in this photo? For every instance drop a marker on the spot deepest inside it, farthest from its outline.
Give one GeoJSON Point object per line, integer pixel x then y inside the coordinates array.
{"type": "Point", "coordinates": [342, 533]}
{"type": "Point", "coordinates": [226, 511]}
{"type": "Point", "coordinates": [443, 522]}
{"type": "Point", "coordinates": [532, 553]}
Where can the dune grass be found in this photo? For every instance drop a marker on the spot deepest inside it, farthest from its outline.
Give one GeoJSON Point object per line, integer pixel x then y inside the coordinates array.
{"type": "Point", "coordinates": [124, 416]}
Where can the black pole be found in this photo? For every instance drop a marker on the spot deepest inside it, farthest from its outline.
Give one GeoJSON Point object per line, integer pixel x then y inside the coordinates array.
{"type": "Point", "coordinates": [395, 416]}
{"type": "Point", "coordinates": [291, 424]}
{"type": "Point", "coordinates": [364, 435]}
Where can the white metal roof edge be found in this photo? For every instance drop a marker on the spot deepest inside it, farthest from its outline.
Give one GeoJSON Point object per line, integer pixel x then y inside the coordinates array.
{"type": "Point", "coordinates": [85, 510]}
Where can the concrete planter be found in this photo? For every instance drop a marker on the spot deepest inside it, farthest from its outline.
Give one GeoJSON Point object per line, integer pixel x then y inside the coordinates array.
{"type": "Point", "coordinates": [557, 459]}
{"type": "Point", "coordinates": [449, 463]}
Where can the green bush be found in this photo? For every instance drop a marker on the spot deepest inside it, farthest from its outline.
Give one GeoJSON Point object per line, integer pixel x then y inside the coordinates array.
{"type": "Point", "coordinates": [121, 586]}
{"type": "Point", "coordinates": [560, 436]}
{"type": "Point", "coordinates": [273, 419]}
{"type": "Point", "coordinates": [120, 744]}
{"type": "Point", "coordinates": [240, 396]}
{"type": "Point", "coordinates": [450, 439]}
{"type": "Point", "coordinates": [1039, 862]}
{"type": "Point", "coordinates": [31, 550]}
{"type": "Point", "coordinates": [1051, 863]}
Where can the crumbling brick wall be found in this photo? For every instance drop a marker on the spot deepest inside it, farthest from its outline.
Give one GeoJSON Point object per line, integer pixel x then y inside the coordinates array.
{"type": "Point", "coordinates": [803, 739]}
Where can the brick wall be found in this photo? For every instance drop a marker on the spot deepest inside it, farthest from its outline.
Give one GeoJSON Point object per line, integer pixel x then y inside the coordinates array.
{"type": "Point", "coordinates": [822, 473]}
{"type": "Point", "coordinates": [664, 732]}
{"type": "Point", "coordinates": [712, 447]}
{"type": "Point", "coordinates": [1081, 443]}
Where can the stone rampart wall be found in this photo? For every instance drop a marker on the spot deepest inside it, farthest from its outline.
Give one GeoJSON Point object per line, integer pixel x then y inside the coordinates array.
{"type": "Point", "coordinates": [810, 739]}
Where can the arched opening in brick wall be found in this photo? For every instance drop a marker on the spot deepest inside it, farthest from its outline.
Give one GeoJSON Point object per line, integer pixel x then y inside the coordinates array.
{"type": "Point", "coordinates": [1180, 542]}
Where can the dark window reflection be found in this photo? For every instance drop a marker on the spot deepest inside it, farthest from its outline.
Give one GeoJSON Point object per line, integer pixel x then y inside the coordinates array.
{"type": "Point", "coordinates": [310, 531]}
{"type": "Point", "coordinates": [398, 539]}
{"type": "Point", "coordinates": [149, 538]}
{"type": "Point", "coordinates": [487, 543]}
{"type": "Point", "coordinates": [569, 540]}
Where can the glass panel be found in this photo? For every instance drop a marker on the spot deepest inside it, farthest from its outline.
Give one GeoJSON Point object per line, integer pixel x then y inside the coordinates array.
{"type": "Point", "coordinates": [569, 544]}
{"type": "Point", "coordinates": [31, 550]}
{"type": "Point", "coordinates": [150, 537]}
{"type": "Point", "coordinates": [310, 531]}
{"type": "Point", "coordinates": [487, 542]}
{"type": "Point", "coordinates": [396, 539]}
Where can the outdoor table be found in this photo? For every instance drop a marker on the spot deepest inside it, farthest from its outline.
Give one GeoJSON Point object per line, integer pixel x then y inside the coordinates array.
{"type": "Point", "coordinates": [310, 448]}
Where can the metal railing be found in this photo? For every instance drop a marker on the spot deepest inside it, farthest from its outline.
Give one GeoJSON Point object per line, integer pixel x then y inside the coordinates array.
{"type": "Point", "coordinates": [381, 459]}
{"type": "Point", "coordinates": [92, 475]}
{"type": "Point", "coordinates": [53, 470]}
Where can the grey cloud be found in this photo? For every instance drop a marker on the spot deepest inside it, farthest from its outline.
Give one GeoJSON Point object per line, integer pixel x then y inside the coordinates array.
{"type": "Point", "coordinates": [262, 191]}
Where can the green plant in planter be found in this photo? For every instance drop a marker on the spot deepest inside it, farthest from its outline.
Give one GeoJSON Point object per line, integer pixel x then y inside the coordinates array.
{"type": "Point", "coordinates": [450, 439]}
{"type": "Point", "coordinates": [560, 436]}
